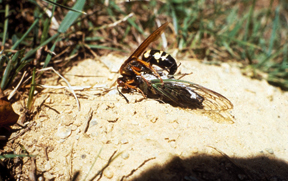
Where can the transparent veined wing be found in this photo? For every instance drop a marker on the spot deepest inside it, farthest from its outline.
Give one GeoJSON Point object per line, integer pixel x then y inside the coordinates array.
{"type": "Point", "coordinates": [186, 94]}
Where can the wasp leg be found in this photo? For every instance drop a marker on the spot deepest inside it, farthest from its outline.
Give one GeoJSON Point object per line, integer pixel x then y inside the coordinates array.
{"type": "Point", "coordinates": [137, 73]}
{"type": "Point", "coordinates": [149, 66]}
{"type": "Point", "coordinates": [184, 75]}
{"type": "Point", "coordinates": [128, 85]}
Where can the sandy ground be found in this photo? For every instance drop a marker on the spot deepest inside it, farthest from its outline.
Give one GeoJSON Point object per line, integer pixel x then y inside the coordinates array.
{"type": "Point", "coordinates": [156, 141]}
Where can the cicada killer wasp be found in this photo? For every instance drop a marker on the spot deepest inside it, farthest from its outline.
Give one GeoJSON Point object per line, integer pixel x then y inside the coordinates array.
{"type": "Point", "coordinates": [142, 75]}
{"type": "Point", "coordinates": [133, 66]}
{"type": "Point", "coordinates": [182, 93]}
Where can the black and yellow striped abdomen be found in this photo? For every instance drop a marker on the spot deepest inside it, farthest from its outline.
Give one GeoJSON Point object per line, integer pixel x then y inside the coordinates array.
{"type": "Point", "coordinates": [161, 59]}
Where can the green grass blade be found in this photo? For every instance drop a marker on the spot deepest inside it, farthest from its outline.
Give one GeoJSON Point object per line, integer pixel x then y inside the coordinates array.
{"type": "Point", "coordinates": [60, 5]}
{"type": "Point", "coordinates": [71, 16]}
{"type": "Point", "coordinates": [49, 56]}
{"type": "Point", "coordinates": [248, 23]}
{"type": "Point", "coordinates": [26, 33]}
{"type": "Point", "coordinates": [285, 55]}
{"type": "Point", "coordinates": [75, 50]}
{"type": "Point", "coordinates": [95, 38]}
{"type": "Point", "coordinates": [273, 34]}
{"type": "Point", "coordinates": [174, 19]}
{"type": "Point", "coordinates": [132, 23]}
{"type": "Point", "coordinates": [14, 39]}
{"type": "Point", "coordinates": [44, 34]}
{"type": "Point", "coordinates": [3, 59]}
{"type": "Point", "coordinates": [5, 25]}
{"type": "Point", "coordinates": [8, 156]}
{"type": "Point", "coordinates": [11, 65]}
{"type": "Point", "coordinates": [6, 74]}
{"type": "Point", "coordinates": [93, 163]}
{"type": "Point", "coordinates": [46, 26]}
{"type": "Point", "coordinates": [32, 89]}
{"type": "Point", "coordinates": [33, 51]}
{"type": "Point", "coordinates": [268, 58]}
{"type": "Point", "coordinates": [229, 49]}
{"type": "Point", "coordinates": [36, 28]}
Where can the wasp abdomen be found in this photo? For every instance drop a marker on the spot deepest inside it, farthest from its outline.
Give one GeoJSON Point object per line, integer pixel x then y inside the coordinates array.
{"type": "Point", "coordinates": [161, 59]}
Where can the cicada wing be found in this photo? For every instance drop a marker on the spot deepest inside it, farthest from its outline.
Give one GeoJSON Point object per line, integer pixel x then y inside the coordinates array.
{"type": "Point", "coordinates": [191, 95]}
{"type": "Point", "coordinates": [164, 92]}
{"type": "Point", "coordinates": [212, 100]}
{"type": "Point", "coordinates": [177, 94]}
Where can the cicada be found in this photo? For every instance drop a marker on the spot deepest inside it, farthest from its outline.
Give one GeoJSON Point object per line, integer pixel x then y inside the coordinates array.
{"type": "Point", "coordinates": [182, 93]}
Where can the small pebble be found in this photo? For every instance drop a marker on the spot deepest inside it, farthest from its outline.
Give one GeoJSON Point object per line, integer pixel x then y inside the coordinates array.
{"type": "Point", "coordinates": [94, 134]}
{"type": "Point", "coordinates": [49, 100]}
{"type": "Point", "coordinates": [40, 178]}
{"type": "Point", "coordinates": [108, 173]}
{"type": "Point", "coordinates": [47, 166]}
{"type": "Point", "coordinates": [73, 127]}
{"type": "Point", "coordinates": [124, 141]}
{"type": "Point", "coordinates": [48, 176]}
{"type": "Point", "coordinates": [269, 150]}
{"type": "Point", "coordinates": [63, 132]}
{"type": "Point", "coordinates": [172, 144]}
{"type": "Point", "coordinates": [195, 150]}
{"type": "Point", "coordinates": [93, 122]}
{"type": "Point", "coordinates": [111, 76]}
{"type": "Point", "coordinates": [125, 155]}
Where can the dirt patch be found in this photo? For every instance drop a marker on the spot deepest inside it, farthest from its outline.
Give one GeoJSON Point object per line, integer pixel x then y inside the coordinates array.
{"type": "Point", "coordinates": [157, 141]}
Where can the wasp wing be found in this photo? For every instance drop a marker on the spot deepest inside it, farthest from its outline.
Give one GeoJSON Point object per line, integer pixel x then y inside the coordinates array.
{"type": "Point", "coordinates": [154, 36]}
{"type": "Point", "coordinates": [190, 95]}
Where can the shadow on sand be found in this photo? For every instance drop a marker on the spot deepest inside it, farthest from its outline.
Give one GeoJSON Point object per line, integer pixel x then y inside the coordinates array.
{"type": "Point", "coordinates": [206, 167]}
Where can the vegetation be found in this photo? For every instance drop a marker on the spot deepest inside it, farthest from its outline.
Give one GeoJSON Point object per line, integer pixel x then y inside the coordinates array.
{"type": "Point", "coordinates": [215, 32]}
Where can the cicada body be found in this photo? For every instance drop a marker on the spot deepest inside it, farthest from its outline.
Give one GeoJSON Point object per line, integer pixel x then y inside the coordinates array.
{"type": "Point", "coordinates": [183, 93]}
